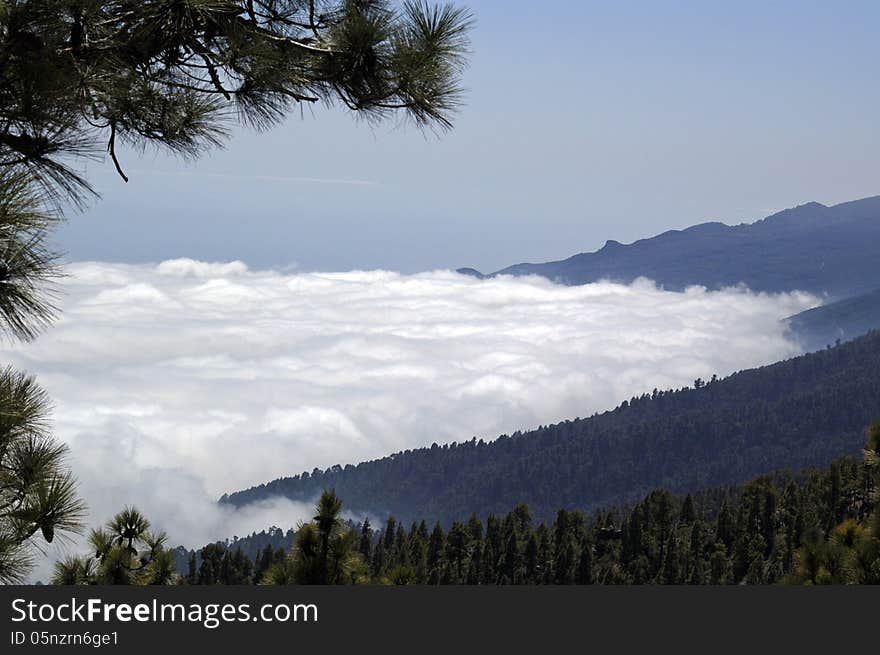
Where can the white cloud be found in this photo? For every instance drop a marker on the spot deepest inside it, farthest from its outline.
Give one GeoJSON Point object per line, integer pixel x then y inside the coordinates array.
{"type": "Point", "coordinates": [185, 267]}
{"type": "Point", "coordinates": [175, 383]}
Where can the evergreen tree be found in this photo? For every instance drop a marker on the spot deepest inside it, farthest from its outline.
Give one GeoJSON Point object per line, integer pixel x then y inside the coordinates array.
{"type": "Point", "coordinates": [125, 552]}
{"type": "Point", "coordinates": [672, 573]}
{"type": "Point", "coordinates": [79, 77]}
{"type": "Point", "coordinates": [265, 560]}
{"type": "Point", "coordinates": [192, 571]}
{"type": "Point", "coordinates": [688, 511]}
{"type": "Point", "coordinates": [389, 534]}
{"type": "Point", "coordinates": [490, 574]}
{"type": "Point", "coordinates": [457, 542]}
{"type": "Point", "coordinates": [436, 547]}
{"type": "Point", "coordinates": [378, 565]}
{"type": "Point", "coordinates": [545, 555]}
{"type": "Point", "coordinates": [585, 565]}
{"type": "Point", "coordinates": [325, 550]}
{"type": "Point", "coordinates": [724, 528]}
{"type": "Point", "coordinates": [37, 491]}
{"type": "Point", "coordinates": [531, 562]}
{"type": "Point", "coordinates": [419, 554]}
{"type": "Point", "coordinates": [511, 561]}
{"type": "Point", "coordinates": [756, 573]}
{"type": "Point", "coordinates": [475, 528]}
{"type": "Point", "coordinates": [652, 545]}
{"type": "Point", "coordinates": [719, 566]}
{"type": "Point", "coordinates": [474, 565]}
{"type": "Point", "coordinates": [365, 548]}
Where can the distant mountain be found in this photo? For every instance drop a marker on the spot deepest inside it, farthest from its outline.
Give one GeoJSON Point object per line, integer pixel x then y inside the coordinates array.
{"type": "Point", "coordinates": [790, 415]}
{"type": "Point", "coordinates": [839, 321]}
{"type": "Point", "coordinates": [823, 250]}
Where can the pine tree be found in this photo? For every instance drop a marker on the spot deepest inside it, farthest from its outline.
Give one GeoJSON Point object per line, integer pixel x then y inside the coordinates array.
{"type": "Point", "coordinates": [123, 552]}
{"type": "Point", "coordinates": [545, 554]}
{"type": "Point", "coordinates": [389, 534]}
{"type": "Point", "coordinates": [688, 510]}
{"type": "Point", "coordinates": [436, 547]}
{"type": "Point", "coordinates": [672, 574]}
{"type": "Point", "coordinates": [720, 570]}
{"type": "Point", "coordinates": [378, 564]}
{"type": "Point", "coordinates": [418, 553]}
{"type": "Point", "coordinates": [365, 548]}
{"type": "Point", "coordinates": [78, 78]}
{"type": "Point", "coordinates": [192, 571]}
{"type": "Point", "coordinates": [511, 563]}
{"type": "Point", "coordinates": [401, 547]}
{"type": "Point", "coordinates": [325, 550]}
{"type": "Point", "coordinates": [475, 528]}
{"type": "Point", "coordinates": [457, 542]}
{"type": "Point", "coordinates": [489, 575]}
{"type": "Point", "coordinates": [474, 564]}
{"type": "Point", "coordinates": [724, 528]}
{"type": "Point", "coordinates": [585, 565]}
{"type": "Point", "coordinates": [531, 562]}
{"type": "Point", "coordinates": [264, 560]}
{"type": "Point", "coordinates": [37, 490]}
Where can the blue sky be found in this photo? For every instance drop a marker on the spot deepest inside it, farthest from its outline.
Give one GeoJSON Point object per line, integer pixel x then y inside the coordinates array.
{"type": "Point", "coordinates": [585, 121]}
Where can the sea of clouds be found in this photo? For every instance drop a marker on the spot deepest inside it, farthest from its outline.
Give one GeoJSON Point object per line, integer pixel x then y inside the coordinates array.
{"type": "Point", "coordinates": [174, 383]}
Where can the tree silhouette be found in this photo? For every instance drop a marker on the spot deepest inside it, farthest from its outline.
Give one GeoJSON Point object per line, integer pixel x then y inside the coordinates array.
{"type": "Point", "coordinates": [325, 550]}
{"type": "Point", "coordinates": [77, 78]}
{"type": "Point", "coordinates": [123, 552]}
{"type": "Point", "coordinates": [37, 491]}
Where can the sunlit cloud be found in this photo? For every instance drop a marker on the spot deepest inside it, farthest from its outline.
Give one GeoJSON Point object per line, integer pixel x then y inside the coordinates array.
{"type": "Point", "coordinates": [174, 383]}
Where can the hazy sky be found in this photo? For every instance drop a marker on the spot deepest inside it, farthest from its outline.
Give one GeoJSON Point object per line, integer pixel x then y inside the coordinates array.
{"type": "Point", "coordinates": [585, 121]}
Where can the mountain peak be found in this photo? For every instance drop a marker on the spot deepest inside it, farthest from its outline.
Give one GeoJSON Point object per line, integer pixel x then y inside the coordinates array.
{"type": "Point", "coordinates": [860, 209]}
{"type": "Point", "coordinates": [807, 215]}
{"type": "Point", "coordinates": [812, 247]}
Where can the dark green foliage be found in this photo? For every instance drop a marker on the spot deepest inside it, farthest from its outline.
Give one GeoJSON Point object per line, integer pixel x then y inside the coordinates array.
{"type": "Point", "coordinates": [324, 551]}
{"type": "Point", "coordinates": [262, 548]}
{"type": "Point", "coordinates": [37, 492]}
{"type": "Point", "coordinates": [78, 76]}
{"type": "Point", "coordinates": [123, 552]}
{"type": "Point", "coordinates": [849, 553]}
{"type": "Point", "coordinates": [37, 495]}
{"type": "Point", "coordinates": [791, 415]}
{"type": "Point", "coordinates": [814, 527]}
{"type": "Point", "coordinates": [27, 265]}
{"type": "Point", "coordinates": [222, 565]}
{"type": "Point", "coordinates": [666, 539]}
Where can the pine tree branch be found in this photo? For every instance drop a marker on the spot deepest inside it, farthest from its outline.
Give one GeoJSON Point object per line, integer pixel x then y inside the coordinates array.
{"type": "Point", "coordinates": [111, 148]}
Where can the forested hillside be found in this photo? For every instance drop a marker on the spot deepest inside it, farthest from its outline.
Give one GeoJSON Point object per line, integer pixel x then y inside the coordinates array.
{"type": "Point", "coordinates": [791, 415]}
{"type": "Point", "coordinates": [838, 321]}
{"type": "Point", "coordinates": [813, 527]}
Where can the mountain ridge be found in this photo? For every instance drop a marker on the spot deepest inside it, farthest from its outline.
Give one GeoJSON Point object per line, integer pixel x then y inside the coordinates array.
{"type": "Point", "coordinates": [801, 412]}
{"type": "Point", "coordinates": [836, 322]}
{"type": "Point", "coordinates": [811, 247]}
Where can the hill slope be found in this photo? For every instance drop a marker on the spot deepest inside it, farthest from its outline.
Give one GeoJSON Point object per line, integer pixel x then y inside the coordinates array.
{"type": "Point", "coordinates": [793, 414]}
{"type": "Point", "coordinates": [761, 525]}
{"type": "Point", "coordinates": [842, 320]}
{"type": "Point", "coordinates": [824, 250]}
